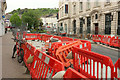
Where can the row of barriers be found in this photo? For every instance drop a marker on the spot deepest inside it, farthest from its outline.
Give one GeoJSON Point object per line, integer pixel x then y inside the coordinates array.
{"type": "Point", "coordinates": [86, 64]}
{"type": "Point", "coordinates": [108, 40]}
{"type": "Point", "coordinates": [45, 66]}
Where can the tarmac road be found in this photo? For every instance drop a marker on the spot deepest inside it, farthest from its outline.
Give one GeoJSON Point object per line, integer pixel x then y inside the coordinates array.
{"type": "Point", "coordinates": [113, 54]}
{"type": "Point", "coordinates": [10, 67]}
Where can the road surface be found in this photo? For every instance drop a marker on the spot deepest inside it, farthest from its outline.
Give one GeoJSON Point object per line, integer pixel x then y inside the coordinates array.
{"type": "Point", "coordinates": [10, 67]}
{"type": "Point", "coordinates": [113, 54]}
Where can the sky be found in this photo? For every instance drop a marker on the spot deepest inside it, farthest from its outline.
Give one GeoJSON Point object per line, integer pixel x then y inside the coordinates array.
{"type": "Point", "coordinates": [33, 4]}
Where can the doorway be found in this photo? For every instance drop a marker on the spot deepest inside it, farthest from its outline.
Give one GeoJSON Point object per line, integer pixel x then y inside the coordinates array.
{"type": "Point", "coordinates": [74, 26]}
{"type": "Point", "coordinates": [96, 28]}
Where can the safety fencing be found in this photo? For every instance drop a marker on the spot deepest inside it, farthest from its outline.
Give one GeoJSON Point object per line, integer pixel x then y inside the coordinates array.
{"type": "Point", "coordinates": [117, 69]}
{"type": "Point", "coordinates": [29, 51]}
{"type": "Point", "coordinates": [107, 40]}
{"type": "Point", "coordinates": [63, 51]}
{"type": "Point", "coordinates": [44, 66]}
{"type": "Point", "coordinates": [86, 64]}
{"type": "Point", "coordinates": [92, 64]}
{"type": "Point", "coordinates": [72, 74]}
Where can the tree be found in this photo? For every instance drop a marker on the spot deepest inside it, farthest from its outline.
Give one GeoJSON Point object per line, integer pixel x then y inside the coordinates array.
{"type": "Point", "coordinates": [32, 18]}
{"type": "Point", "coordinates": [15, 20]}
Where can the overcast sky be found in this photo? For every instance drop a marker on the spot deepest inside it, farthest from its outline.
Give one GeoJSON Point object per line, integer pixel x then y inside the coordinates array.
{"type": "Point", "coordinates": [15, 4]}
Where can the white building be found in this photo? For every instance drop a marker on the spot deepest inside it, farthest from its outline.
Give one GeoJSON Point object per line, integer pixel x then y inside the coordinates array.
{"type": "Point", "coordinates": [3, 7]}
{"type": "Point", "coordinates": [50, 21]}
{"type": "Point", "coordinates": [82, 17]}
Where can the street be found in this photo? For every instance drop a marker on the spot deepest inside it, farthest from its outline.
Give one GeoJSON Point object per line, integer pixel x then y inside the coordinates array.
{"type": "Point", "coordinates": [106, 51]}
{"type": "Point", "coordinates": [10, 67]}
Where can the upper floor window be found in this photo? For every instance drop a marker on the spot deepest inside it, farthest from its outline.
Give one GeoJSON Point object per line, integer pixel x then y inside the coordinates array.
{"type": "Point", "coordinates": [107, 1]}
{"type": "Point", "coordinates": [88, 4]}
{"type": "Point", "coordinates": [96, 3]}
{"type": "Point", "coordinates": [66, 8]}
{"type": "Point", "coordinates": [81, 6]}
{"type": "Point", "coordinates": [74, 9]}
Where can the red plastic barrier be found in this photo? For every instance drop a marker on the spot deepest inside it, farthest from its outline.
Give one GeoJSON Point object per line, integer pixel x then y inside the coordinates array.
{"type": "Point", "coordinates": [67, 39]}
{"type": "Point", "coordinates": [44, 66]}
{"type": "Point", "coordinates": [63, 51]}
{"type": "Point", "coordinates": [54, 46]}
{"type": "Point", "coordinates": [106, 40]}
{"type": "Point", "coordinates": [60, 38]}
{"type": "Point", "coordinates": [72, 74]}
{"type": "Point", "coordinates": [95, 66]}
{"type": "Point", "coordinates": [29, 51]}
{"type": "Point", "coordinates": [31, 36]}
{"type": "Point", "coordinates": [96, 38]}
{"type": "Point", "coordinates": [39, 36]}
{"type": "Point", "coordinates": [117, 69]}
{"type": "Point", "coordinates": [115, 41]}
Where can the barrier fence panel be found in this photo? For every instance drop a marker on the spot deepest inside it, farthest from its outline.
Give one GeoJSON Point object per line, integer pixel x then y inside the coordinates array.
{"type": "Point", "coordinates": [92, 65]}
{"type": "Point", "coordinates": [39, 36]}
{"type": "Point", "coordinates": [117, 69]}
{"type": "Point", "coordinates": [31, 36]}
{"type": "Point", "coordinates": [96, 38]}
{"type": "Point", "coordinates": [67, 39]}
{"type": "Point", "coordinates": [44, 66]}
{"type": "Point", "coordinates": [115, 42]}
{"type": "Point", "coordinates": [72, 74]}
{"type": "Point", "coordinates": [54, 46]}
{"type": "Point", "coordinates": [60, 38]}
{"type": "Point", "coordinates": [29, 51]}
{"type": "Point", "coordinates": [63, 51]}
{"type": "Point", "coordinates": [85, 45]}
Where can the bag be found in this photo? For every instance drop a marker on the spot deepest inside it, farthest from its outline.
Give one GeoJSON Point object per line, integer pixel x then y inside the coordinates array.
{"type": "Point", "coordinates": [30, 59]}
{"type": "Point", "coordinates": [59, 75]}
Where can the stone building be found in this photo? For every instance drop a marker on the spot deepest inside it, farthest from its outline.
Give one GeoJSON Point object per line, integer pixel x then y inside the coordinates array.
{"type": "Point", "coordinates": [82, 17]}
{"type": "Point", "coordinates": [3, 7]}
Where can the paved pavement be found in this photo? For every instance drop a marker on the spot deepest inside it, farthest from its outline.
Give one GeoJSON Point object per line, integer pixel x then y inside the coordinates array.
{"type": "Point", "coordinates": [10, 67]}
{"type": "Point", "coordinates": [0, 57]}
{"type": "Point", "coordinates": [113, 54]}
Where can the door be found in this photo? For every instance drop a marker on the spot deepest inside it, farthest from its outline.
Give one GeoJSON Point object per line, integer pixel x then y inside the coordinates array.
{"type": "Point", "coordinates": [96, 28]}
{"type": "Point", "coordinates": [118, 30]}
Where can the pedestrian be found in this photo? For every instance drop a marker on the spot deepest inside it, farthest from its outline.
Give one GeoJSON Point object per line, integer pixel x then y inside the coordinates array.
{"type": "Point", "coordinates": [14, 50]}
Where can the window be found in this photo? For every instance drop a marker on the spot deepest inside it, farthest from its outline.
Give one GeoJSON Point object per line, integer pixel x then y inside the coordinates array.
{"type": "Point", "coordinates": [108, 23]}
{"type": "Point", "coordinates": [107, 1]}
{"type": "Point", "coordinates": [81, 25]}
{"type": "Point", "coordinates": [66, 8]}
{"type": "Point", "coordinates": [88, 24]}
{"type": "Point", "coordinates": [96, 3]}
{"type": "Point", "coordinates": [74, 9]}
{"type": "Point", "coordinates": [81, 6]}
{"type": "Point", "coordinates": [118, 30]}
{"type": "Point", "coordinates": [96, 16]}
{"type": "Point", "coordinates": [88, 4]}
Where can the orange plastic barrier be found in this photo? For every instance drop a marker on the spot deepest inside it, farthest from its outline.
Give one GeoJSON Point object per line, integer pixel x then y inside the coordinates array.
{"type": "Point", "coordinates": [67, 39]}
{"type": "Point", "coordinates": [106, 39]}
{"type": "Point", "coordinates": [39, 36]}
{"type": "Point", "coordinates": [54, 46]}
{"type": "Point", "coordinates": [63, 51]}
{"type": "Point", "coordinates": [97, 66]}
{"type": "Point", "coordinates": [117, 69]}
{"type": "Point", "coordinates": [85, 44]}
{"type": "Point", "coordinates": [31, 36]}
{"type": "Point", "coordinates": [29, 51]}
{"type": "Point", "coordinates": [115, 41]}
{"type": "Point", "coordinates": [44, 66]}
{"type": "Point", "coordinates": [72, 74]}
{"type": "Point", "coordinates": [96, 38]}
{"type": "Point", "coordinates": [60, 38]}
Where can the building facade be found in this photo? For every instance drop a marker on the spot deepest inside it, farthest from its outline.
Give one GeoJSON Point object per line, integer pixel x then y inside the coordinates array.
{"type": "Point", "coordinates": [50, 21]}
{"type": "Point", "coordinates": [3, 7]}
{"type": "Point", "coordinates": [82, 17]}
